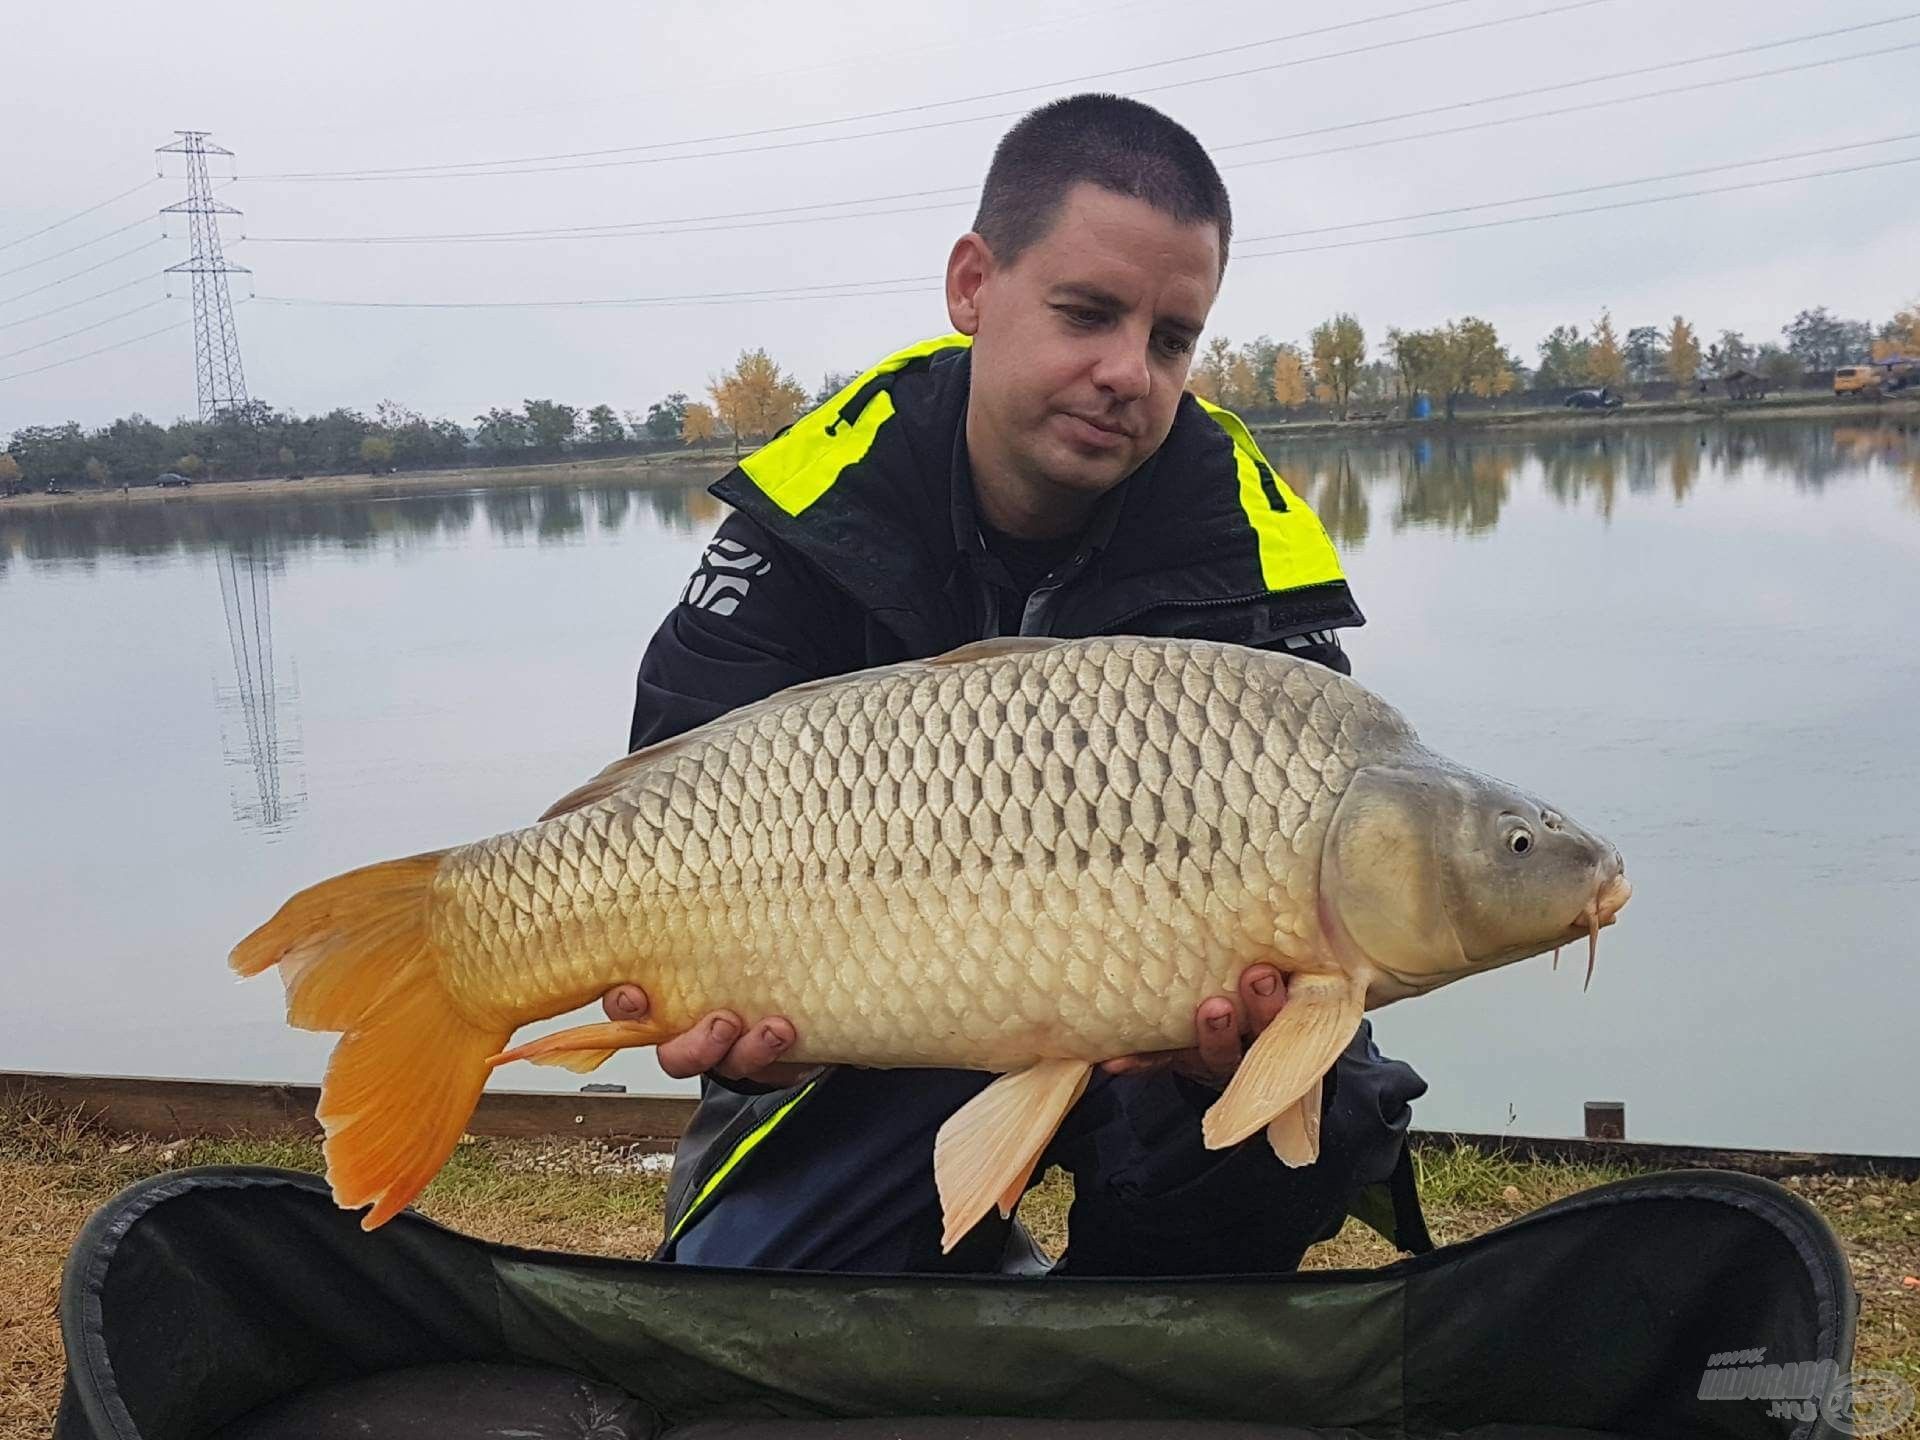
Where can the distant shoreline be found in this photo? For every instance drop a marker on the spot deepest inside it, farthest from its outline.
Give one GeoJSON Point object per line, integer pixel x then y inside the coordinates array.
{"type": "Point", "coordinates": [625, 469]}
{"type": "Point", "coordinates": [1671, 412]}
{"type": "Point", "coordinates": [679, 469]}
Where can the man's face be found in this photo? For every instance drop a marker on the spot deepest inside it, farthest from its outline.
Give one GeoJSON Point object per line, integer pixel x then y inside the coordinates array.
{"type": "Point", "coordinates": [1081, 345]}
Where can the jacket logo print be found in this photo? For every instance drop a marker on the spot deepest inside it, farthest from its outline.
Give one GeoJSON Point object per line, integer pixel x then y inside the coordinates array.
{"type": "Point", "coordinates": [722, 580]}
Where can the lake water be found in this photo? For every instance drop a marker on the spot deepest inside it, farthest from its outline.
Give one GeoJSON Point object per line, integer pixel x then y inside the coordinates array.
{"type": "Point", "coordinates": [1701, 642]}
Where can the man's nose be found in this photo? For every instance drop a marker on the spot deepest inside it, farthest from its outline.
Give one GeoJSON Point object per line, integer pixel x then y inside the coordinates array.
{"type": "Point", "coordinates": [1122, 369]}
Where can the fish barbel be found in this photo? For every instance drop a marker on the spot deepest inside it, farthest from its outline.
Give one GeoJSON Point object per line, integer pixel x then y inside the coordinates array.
{"type": "Point", "coordinates": [1026, 857]}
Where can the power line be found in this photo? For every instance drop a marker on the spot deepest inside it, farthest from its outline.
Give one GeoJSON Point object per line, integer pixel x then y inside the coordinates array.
{"type": "Point", "coordinates": [446, 172]}
{"type": "Point", "coordinates": [42, 344]}
{"type": "Point", "coordinates": [855, 289]}
{"type": "Point", "coordinates": [84, 244]}
{"type": "Point", "coordinates": [89, 354]}
{"type": "Point", "coordinates": [631, 229]}
{"type": "Point", "coordinates": [855, 118]}
{"type": "Point", "coordinates": [1631, 74]}
{"type": "Point", "coordinates": [51, 284]}
{"type": "Point", "coordinates": [78, 214]}
{"type": "Point", "coordinates": [1583, 209]}
{"type": "Point", "coordinates": [1577, 109]}
{"type": "Point", "coordinates": [1582, 189]}
{"type": "Point", "coordinates": [598, 233]}
{"type": "Point", "coordinates": [83, 300]}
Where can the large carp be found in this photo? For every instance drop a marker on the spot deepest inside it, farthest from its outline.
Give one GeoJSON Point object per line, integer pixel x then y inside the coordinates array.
{"type": "Point", "coordinates": [1027, 856]}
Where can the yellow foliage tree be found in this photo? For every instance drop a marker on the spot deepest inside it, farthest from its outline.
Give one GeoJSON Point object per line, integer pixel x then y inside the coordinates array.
{"type": "Point", "coordinates": [1683, 353]}
{"type": "Point", "coordinates": [698, 424]}
{"type": "Point", "coordinates": [1242, 390]}
{"type": "Point", "coordinates": [1902, 337]}
{"type": "Point", "coordinates": [1208, 376]}
{"type": "Point", "coordinates": [9, 469]}
{"type": "Point", "coordinates": [1339, 350]}
{"type": "Point", "coordinates": [756, 398]}
{"type": "Point", "coordinates": [1289, 377]}
{"type": "Point", "coordinates": [1605, 363]}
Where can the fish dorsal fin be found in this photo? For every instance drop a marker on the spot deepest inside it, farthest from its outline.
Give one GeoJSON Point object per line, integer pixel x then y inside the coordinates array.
{"type": "Point", "coordinates": [621, 771]}
{"type": "Point", "coordinates": [1000, 645]}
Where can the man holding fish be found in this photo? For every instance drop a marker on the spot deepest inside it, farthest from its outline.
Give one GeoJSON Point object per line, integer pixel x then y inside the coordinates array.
{"type": "Point", "coordinates": [996, 781]}
{"type": "Point", "coordinates": [1096, 255]}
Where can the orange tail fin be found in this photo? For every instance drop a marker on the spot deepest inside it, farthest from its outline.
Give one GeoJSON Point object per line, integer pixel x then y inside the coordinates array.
{"type": "Point", "coordinates": [404, 1080]}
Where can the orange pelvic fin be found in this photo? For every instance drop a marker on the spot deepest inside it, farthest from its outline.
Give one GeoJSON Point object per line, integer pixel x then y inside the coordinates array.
{"type": "Point", "coordinates": [1287, 1058]}
{"type": "Point", "coordinates": [355, 957]}
{"type": "Point", "coordinates": [586, 1047]}
{"type": "Point", "coordinates": [986, 1151]}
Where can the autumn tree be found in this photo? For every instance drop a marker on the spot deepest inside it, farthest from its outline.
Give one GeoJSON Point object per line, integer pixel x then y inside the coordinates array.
{"type": "Point", "coordinates": [96, 471]}
{"type": "Point", "coordinates": [1339, 350]}
{"type": "Point", "coordinates": [698, 424]}
{"type": "Point", "coordinates": [9, 471]}
{"type": "Point", "coordinates": [191, 466]}
{"type": "Point", "coordinates": [1683, 353]}
{"type": "Point", "coordinates": [1900, 337]}
{"type": "Point", "coordinates": [1289, 376]}
{"type": "Point", "coordinates": [376, 452]}
{"type": "Point", "coordinates": [756, 397]}
{"type": "Point", "coordinates": [1207, 377]}
{"type": "Point", "coordinates": [1242, 390]}
{"type": "Point", "coordinates": [1463, 357]}
{"type": "Point", "coordinates": [1606, 364]}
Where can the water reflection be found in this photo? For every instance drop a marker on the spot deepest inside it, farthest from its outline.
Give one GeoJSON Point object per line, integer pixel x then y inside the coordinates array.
{"type": "Point", "coordinates": [289, 521]}
{"type": "Point", "coordinates": [1462, 485]}
{"type": "Point", "coordinates": [257, 697]}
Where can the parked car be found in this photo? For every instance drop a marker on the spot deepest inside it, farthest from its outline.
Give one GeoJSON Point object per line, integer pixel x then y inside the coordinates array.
{"type": "Point", "coordinates": [1858, 380]}
{"type": "Point", "coordinates": [170, 479]}
{"type": "Point", "coordinates": [1597, 399]}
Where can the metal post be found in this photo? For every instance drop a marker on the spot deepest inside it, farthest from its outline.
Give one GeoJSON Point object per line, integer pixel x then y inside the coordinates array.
{"type": "Point", "coordinates": [1606, 1119]}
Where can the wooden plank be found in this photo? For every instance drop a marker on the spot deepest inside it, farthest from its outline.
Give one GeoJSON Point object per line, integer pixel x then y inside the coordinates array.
{"type": "Point", "coordinates": [173, 1109]}
{"type": "Point", "coordinates": [1775, 1164]}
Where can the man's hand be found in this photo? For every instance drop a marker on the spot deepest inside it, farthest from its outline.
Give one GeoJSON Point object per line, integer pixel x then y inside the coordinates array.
{"type": "Point", "coordinates": [1218, 1025]}
{"type": "Point", "coordinates": [719, 1042]}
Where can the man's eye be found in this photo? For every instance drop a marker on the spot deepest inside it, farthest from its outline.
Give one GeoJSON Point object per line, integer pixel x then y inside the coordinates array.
{"type": "Point", "coordinates": [1080, 315]}
{"type": "Point", "coordinates": [1176, 344]}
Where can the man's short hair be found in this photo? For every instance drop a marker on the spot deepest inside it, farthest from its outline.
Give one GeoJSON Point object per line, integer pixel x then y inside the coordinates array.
{"type": "Point", "coordinates": [1105, 140]}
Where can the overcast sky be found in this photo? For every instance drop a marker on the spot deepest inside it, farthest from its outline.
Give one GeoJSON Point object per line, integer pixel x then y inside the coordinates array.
{"type": "Point", "coordinates": [92, 87]}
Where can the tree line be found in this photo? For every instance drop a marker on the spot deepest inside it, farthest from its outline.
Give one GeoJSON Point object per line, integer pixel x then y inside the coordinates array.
{"type": "Point", "coordinates": [755, 399]}
{"type": "Point", "coordinates": [1466, 357]}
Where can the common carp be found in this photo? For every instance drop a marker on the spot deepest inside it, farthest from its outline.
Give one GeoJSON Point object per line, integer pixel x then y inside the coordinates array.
{"type": "Point", "coordinates": [1027, 856]}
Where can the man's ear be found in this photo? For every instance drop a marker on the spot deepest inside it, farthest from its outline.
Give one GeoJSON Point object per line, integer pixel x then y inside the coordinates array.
{"type": "Point", "coordinates": [968, 267]}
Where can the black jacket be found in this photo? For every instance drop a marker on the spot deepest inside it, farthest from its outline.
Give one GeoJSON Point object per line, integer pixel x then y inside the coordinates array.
{"type": "Point", "coordinates": [853, 543]}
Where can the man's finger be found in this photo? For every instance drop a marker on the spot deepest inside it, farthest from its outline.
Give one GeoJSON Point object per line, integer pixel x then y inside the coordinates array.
{"type": "Point", "coordinates": [700, 1049]}
{"type": "Point", "coordinates": [626, 1002]}
{"type": "Point", "coordinates": [1139, 1064]}
{"type": "Point", "coordinates": [1263, 994]}
{"type": "Point", "coordinates": [1217, 1029]}
{"type": "Point", "coordinates": [760, 1047]}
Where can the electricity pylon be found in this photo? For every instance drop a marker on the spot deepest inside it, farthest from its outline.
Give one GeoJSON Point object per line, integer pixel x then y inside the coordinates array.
{"type": "Point", "coordinates": [221, 382]}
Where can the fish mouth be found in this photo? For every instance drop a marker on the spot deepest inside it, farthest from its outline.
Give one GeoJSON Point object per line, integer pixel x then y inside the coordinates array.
{"type": "Point", "coordinates": [1609, 898]}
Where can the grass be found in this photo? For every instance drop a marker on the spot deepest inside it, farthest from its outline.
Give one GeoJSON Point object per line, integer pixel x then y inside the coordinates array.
{"type": "Point", "coordinates": [589, 1197]}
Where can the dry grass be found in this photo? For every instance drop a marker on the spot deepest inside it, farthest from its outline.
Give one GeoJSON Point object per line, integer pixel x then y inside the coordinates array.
{"type": "Point", "coordinates": [581, 1196]}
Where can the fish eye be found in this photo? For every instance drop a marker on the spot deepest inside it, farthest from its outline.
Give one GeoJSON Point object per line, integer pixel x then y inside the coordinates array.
{"type": "Point", "coordinates": [1520, 841]}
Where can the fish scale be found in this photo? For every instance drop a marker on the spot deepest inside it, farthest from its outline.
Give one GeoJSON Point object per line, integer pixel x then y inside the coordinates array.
{"type": "Point", "coordinates": [1047, 854]}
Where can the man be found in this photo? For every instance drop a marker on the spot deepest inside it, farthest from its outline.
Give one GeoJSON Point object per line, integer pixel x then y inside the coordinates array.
{"type": "Point", "coordinates": [1041, 472]}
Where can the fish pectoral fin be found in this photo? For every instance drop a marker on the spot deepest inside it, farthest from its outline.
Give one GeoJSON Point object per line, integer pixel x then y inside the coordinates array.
{"type": "Point", "coordinates": [988, 1148]}
{"type": "Point", "coordinates": [1295, 1132]}
{"type": "Point", "coordinates": [1289, 1056]}
{"type": "Point", "coordinates": [585, 1047]}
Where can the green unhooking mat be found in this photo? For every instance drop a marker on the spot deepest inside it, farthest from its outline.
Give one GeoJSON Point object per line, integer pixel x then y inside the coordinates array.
{"type": "Point", "coordinates": [236, 1303]}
